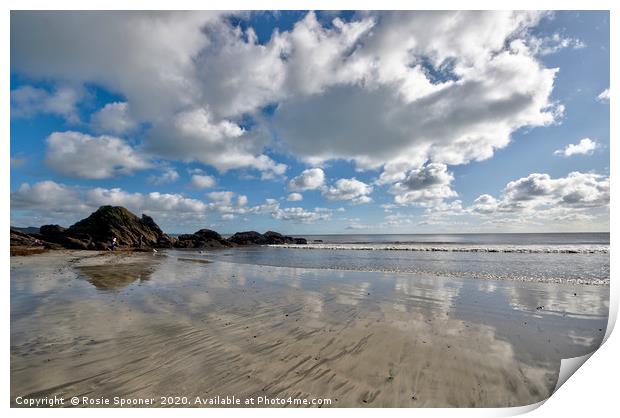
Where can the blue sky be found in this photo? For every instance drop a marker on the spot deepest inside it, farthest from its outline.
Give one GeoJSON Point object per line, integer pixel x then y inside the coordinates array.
{"type": "Point", "coordinates": [312, 122]}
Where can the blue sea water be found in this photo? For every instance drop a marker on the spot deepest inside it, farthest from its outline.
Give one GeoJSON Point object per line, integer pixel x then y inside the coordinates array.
{"type": "Point", "coordinates": [586, 238]}
{"type": "Point", "coordinates": [578, 258]}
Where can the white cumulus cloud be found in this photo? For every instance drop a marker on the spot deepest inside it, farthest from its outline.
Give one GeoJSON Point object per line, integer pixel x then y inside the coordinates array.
{"type": "Point", "coordinates": [387, 90]}
{"type": "Point", "coordinates": [553, 43]}
{"type": "Point", "coordinates": [202, 181]}
{"type": "Point", "coordinates": [27, 101]}
{"type": "Point", "coordinates": [295, 197]}
{"type": "Point", "coordinates": [585, 147]}
{"type": "Point", "coordinates": [603, 96]}
{"type": "Point", "coordinates": [310, 179]}
{"type": "Point", "coordinates": [389, 110]}
{"type": "Point", "coordinates": [92, 157]}
{"type": "Point", "coordinates": [301, 215]}
{"type": "Point", "coordinates": [223, 197]}
{"type": "Point", "coordinates": [539, 192]}
{"type": "Point", "coordinates": [349, 189]}
{"type": "Point", "coordinates": [426, 186]}
{"type": "Point", "coordinates": [169, 175]}
{"type": "Point", "coordinates": [114, 118]}
{"type": "Point", "coordinates": [195, 136]}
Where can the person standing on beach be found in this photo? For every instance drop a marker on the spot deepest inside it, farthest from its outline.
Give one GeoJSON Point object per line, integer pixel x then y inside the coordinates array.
{"type": "Point", "coordinates": [113, 243]}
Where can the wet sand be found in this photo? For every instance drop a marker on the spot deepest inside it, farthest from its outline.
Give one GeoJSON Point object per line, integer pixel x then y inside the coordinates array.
{"type": "Point", "coordinates": [150, 325]}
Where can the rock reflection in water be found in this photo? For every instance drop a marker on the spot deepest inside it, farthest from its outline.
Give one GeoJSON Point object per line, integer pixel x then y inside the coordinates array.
{"type": "Point", "coordinates": [116, 276]}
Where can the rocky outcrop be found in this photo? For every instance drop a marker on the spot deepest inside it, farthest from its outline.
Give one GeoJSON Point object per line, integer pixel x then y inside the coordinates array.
{"type": "Point", "coordinates": [110, 222]}
{"type": "Point", "coordinates": [247, 238]}
{"type": "Point", "coordinates": [277, 238]}
{"type": "Point", "coordinates": [61, 236]}
{"type": "Point", "coordinates": [205, 238]}
{"type": "Point", "coordinates": [27, 244]}
{"type": "Point", "coordinates": [97, 231]}
{"type": "Point", "coordinates": [268, 238]}
{"type": "Point", "coordinates": [19, 238]}
{"type": "Point", "coordinates": [163, 240]}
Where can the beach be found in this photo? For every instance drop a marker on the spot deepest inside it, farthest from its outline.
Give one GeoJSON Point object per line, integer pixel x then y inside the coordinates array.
{"type": "Point", "coordinates": [191, 324]}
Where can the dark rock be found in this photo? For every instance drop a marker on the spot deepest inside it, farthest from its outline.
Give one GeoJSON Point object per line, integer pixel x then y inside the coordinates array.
{"type": "Point", "coordinates": [19, 238]}
{"type": "Point", "coordinates": [268, 238]}
{"type": "Point", "coordinates": [208, 234]}
{"type": "Point", "coordinates": [52, 230]}
{"type": "Point", "coordinates": [277, 238]}
{"type": "Point", "coordinates": [248, 238]}
{"type": "Point", "coordinates": [60, 236]}
{"type": "Point", "coordinates": [165, 241]}
{"type": "Point", "coordinates": [272, 237]}
{"type": "Point", "coordinates": [205, 238]}
{"type": "Point", "coordinates": [110, 222]}
{"type": "Point", "coordinates": [97, 231]}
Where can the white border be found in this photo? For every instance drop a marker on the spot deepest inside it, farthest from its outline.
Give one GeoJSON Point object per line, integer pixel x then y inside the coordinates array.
{"type": "Point", "coordinates": [591, 392]}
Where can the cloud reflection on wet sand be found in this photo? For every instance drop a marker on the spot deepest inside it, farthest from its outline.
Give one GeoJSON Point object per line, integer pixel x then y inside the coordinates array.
{"type": "Point", "coordinates": [156, 325]}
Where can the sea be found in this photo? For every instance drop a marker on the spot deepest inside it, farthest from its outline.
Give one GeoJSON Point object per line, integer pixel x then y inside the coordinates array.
{"type": "Point", "coordinates": [574, 258]}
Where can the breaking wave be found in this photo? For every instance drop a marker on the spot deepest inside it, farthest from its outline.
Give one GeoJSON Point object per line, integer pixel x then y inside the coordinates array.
{"type": "Point", "coordinates": [531, 249]}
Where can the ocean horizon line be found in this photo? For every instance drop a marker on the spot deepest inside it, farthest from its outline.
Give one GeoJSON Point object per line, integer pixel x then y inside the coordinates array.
{"type": "Point", "coordinates": [224, 234]}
